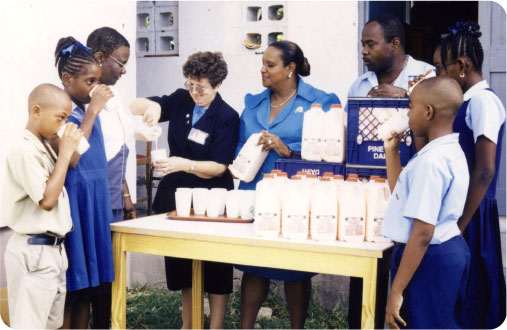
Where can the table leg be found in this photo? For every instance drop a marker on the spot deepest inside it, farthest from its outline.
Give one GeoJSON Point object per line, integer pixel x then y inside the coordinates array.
{"type": "Point", "coordinates": [197, 295]}
{"type": "Point", "coordinates": [369, 294]}
{"type": "Point", "coordinates": [119, 287]}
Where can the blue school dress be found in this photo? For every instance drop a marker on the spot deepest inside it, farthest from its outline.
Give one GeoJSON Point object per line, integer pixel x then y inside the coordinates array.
{"type": "Point", "coordinates": [89, 247]}
{"type": "Point", "coordinates": [484, 306]}
{"type": "Point", "coordinates": [288, 126]}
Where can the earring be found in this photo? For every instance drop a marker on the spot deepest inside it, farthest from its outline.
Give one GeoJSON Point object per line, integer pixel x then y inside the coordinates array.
{"type": "Point", "coordinates": [100, 64]}
{"type": "Point", "coordinates": [462, 75]}
{"type": "Point", "coordinates": [290, 75]}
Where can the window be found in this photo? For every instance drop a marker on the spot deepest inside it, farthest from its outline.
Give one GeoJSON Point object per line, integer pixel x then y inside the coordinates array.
{"type": "Point", "coordinates": [157, 28]}
{"type": "Point", "coordinates": [264, 22]}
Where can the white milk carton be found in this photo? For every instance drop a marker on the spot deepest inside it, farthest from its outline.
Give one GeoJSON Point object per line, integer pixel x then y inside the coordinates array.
{"type": "Point", "coordinates": [312, 146]}
{"type": "Point", "coordinates": [296, 209]}
{"type": "Point", "coordinates": [377, 199]}
{"type": "Point", "coordinates": [249, 160]}
{"type": "Point", "coordinates": [352, 215]}
{"type": "Point", "coordinates": [334, 135]}
{"type": "Point", "coordinates": [324, 216]}
{"type": "Point", "coordinates": [267, 208]}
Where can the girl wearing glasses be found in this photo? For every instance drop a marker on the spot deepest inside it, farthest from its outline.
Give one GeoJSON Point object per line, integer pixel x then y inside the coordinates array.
{"type": "Point", "coordinates": [203, 134]}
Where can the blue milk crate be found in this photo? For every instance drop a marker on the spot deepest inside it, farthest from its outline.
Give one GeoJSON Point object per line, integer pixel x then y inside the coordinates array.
{"type": "Point", "coordinates": [292, 166]}
{"type": "Point", "coordinates": [365, 151]}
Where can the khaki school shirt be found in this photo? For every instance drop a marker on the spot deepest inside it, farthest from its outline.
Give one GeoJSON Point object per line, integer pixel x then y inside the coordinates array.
{"type": "Point", "coordinates": [29, 166]}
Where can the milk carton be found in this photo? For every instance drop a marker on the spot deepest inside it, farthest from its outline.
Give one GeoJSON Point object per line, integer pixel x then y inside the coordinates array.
{"type": "Point", "coordinates": [334, 135]}
{"type": "Point", "coordinates": [352, 215]}
{"type": "Point", "coordinates": [249, 160]}
{"type": "Point", "coordinates": [324, 216]}
{"type": "Point", "coordinates": [267, 208]}
{"type": "Point", "coordinates": [377, 199]}
{"type": "Point", "coordinates": [313, 134]}
{"type": "Point", "coordinates": [295, 211]}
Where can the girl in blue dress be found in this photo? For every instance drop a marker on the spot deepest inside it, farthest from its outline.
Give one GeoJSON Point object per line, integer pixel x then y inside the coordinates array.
{"type": "Point", "coordinates": [480, 123]}
{"type": "Point", "coordinates": [278, 112]}
{"type": "Point", "coordinates": [88, 245]}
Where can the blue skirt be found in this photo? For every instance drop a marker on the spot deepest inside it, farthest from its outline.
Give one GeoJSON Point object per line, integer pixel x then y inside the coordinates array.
{"type": "Point", "coordinates": [88, 245]}
{"type": "Point", "coordinates": [433, 298]}
{"type": "Point", "coordinates": [485, 296]}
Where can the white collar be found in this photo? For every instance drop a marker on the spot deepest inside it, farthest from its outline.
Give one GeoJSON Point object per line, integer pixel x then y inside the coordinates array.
{"type": "Point", "coordinates": [371, 76]}
{"type": "Point", "coordinates": [475, 88]}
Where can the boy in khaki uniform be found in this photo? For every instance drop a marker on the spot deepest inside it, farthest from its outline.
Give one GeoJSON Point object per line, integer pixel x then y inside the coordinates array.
{"type": "Point", "coordinates": [36, 208]}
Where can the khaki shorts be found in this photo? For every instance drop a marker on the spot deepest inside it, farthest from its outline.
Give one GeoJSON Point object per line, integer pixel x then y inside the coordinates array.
{"type": "Point", "coordinates": [36, 283]}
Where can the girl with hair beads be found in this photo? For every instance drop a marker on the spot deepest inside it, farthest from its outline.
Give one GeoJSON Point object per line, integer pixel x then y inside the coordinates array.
{"type": "Point", "coordinates": [480, 124]}
{"type": "Point", "coordinates": [89, 244]}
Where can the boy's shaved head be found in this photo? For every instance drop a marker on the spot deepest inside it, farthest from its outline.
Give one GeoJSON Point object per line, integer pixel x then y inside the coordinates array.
{"type": "Point", "coordinates": [46, 95]}
{"type": "Point", "coordinates": [442, 93]}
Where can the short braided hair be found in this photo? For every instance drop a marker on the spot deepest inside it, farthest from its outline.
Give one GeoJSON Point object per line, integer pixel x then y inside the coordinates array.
{"type": "Point", "coordinates": [73, 60]}
{"type": "Point", "coordinates": [463, 41]}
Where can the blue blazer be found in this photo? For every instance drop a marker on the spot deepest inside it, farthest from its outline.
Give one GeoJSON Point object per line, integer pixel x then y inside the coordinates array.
{"type": "Point", "coordinates": [288, 124]}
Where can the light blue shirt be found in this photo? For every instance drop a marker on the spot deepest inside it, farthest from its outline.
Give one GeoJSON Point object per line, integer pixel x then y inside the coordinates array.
{"type": "Point", "coordinates": [287, 125]}
{"type": "Point", "coordinates": [485, 113]}
{"type": "Point", "coordinates": [431, 188]}
{"type": "Point", "coordinates": [197, 114]}
{"type": "Point", "coordinates": [362, 86]}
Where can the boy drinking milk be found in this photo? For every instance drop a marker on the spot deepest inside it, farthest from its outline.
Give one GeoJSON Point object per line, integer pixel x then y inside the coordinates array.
{"type": "Point", "coordinates": [430, 258]}
{"type": "Point", "coordinates": [36, 208]}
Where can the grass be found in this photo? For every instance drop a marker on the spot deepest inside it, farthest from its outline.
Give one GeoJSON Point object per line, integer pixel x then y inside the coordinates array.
{"type": "Point", "coordinates": [150, 308]}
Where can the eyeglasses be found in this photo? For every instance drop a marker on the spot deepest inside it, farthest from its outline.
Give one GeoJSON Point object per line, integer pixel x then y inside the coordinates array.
{"type": "Point", "coordinates": [198, 88]}
{"type": "Point", "coordinates": [122, 65]}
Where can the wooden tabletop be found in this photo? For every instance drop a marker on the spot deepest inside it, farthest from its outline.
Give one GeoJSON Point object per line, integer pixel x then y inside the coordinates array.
{"type": "Point", "coordinates": [236, 233]}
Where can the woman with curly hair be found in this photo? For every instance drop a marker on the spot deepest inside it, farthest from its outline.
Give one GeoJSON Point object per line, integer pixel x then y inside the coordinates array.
{"type": "Point", "coordinates": [203, 134]}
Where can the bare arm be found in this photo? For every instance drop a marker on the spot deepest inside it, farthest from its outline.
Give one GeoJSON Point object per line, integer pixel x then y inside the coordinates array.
{"type": "Point", "coordinates": [99, 98]}
{"type": "Point", "coordinates": [129, 211]}
{"type": "Point", "coordinates": [415, 249]}
{"type": "Point", "coordinates": [148, 109]}
{"type": "Point", "coordinates": [480, 179]}
{"type": "Point", "coordinates": [393, 162]}
{"type": "Point", "coordinates": [67, 145]}
{"type": "Point", "coordinates": [205, 169]}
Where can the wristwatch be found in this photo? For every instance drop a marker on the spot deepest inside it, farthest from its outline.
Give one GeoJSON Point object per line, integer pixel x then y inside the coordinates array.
{"type": "Point", "coordinates": [292, 154]}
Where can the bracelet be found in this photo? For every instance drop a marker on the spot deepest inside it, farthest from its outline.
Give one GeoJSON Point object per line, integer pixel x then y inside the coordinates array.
{"type": "Point", "coordinates": [192, 167]}
{"type": "Point", "coordinates": [126, 195]}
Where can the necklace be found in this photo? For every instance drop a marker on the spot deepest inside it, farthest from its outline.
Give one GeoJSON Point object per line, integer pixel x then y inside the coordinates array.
{"type": "Point", "coordinates": [291, 95]}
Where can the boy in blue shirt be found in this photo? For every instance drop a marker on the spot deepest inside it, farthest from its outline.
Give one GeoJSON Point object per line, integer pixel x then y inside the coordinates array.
{"type": "Point", "coordinates": [430, 259]}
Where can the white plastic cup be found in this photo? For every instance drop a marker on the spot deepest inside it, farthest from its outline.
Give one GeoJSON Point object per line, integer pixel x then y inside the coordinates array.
{"type": "Point", "coordinates": [200, 200]}
{"type": "Point", "coordinates": [247, 204]}
{"type": "Point", "coordinates": [183, 201]}
{"type": "Point", "coordinates": [232, 203]}
{"type": "Point", "coordinates": [83, 145]}
{"type": "Point", "coordinates": [112, 104]}
{"type": "Point", "coordinates": [216, 202]}
{"type": "Point", "coordinates": [158, 154]}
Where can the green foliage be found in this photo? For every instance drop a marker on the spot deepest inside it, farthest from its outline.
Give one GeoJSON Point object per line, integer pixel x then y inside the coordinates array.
{"type": "Point", "coordinates": [149, 308]}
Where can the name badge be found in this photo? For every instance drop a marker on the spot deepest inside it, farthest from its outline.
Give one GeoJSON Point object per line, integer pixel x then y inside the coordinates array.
{"type": "Point", "coordinates": [197, 136]}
